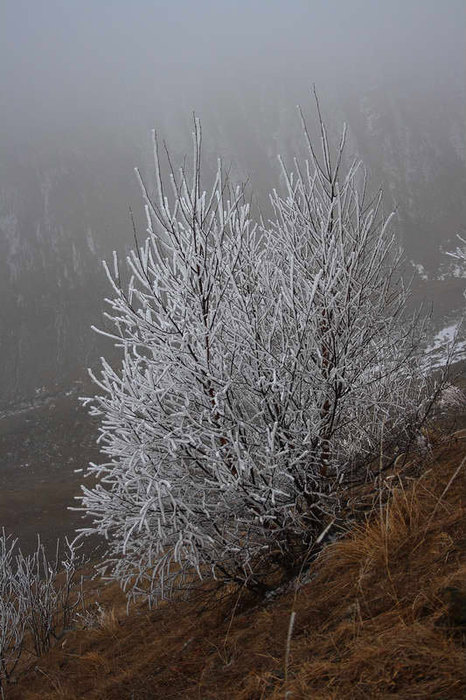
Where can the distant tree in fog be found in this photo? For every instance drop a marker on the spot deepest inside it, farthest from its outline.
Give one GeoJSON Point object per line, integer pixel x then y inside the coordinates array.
{"type": "Point", "coordinates": [264, 367]}
{"type": "Point", "coordinates": [460, 252]}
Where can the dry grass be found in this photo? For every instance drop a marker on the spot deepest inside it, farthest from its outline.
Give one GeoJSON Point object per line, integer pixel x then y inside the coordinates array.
{"type": "Point", "coordinates": [374, 618]}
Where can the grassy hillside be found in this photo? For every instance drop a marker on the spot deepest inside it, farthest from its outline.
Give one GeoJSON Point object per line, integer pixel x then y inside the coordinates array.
{"type": "Point", "coordinates": [380, 613]}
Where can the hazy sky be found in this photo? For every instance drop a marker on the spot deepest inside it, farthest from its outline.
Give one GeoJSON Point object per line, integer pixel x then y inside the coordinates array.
{"type": "Point", "coordinates": [82, 82]}
{"type": "Point", "coordinates": [68, 63]}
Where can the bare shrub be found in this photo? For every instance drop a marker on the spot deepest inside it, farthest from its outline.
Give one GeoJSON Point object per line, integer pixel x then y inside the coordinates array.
{"type": "Point", "coordinates": [460, 252]}
{"type": "Point", "coordinates": [12, 622]}
{"type": "Point", "coordinates": [50, 591]}
{"type": "Point", "coordinates": [39, 600]}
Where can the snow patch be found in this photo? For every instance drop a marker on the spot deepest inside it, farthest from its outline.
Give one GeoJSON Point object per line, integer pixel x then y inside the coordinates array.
{"type": "Point", "coordinates": [446, 345]}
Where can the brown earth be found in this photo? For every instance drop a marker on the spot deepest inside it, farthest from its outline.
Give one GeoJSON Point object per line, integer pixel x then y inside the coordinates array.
{"type": "Point", "coordinates": [379, 614]}
{"type": "Point", "coordinates": [40, 449]}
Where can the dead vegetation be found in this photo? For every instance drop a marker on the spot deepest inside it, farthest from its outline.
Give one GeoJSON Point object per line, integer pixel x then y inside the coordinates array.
{"type": "Point", "coordinates": [381, 613]}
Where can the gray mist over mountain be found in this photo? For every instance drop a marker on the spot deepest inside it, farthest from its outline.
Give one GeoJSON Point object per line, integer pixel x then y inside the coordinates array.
{"type": "Point", "coordinates": [83, 82]}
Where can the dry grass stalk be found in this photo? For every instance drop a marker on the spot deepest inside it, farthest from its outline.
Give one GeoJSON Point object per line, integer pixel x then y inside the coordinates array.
{"type": "Point", "coordinates": [373, 619]}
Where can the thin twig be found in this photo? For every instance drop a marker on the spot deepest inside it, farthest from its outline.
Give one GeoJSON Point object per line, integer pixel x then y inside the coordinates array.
{"type": "Point", "coordinates": [288, 643]}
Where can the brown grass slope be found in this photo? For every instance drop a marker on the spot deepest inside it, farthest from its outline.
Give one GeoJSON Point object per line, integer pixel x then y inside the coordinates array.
{"type": "Point", "coordinates": [380, 614]}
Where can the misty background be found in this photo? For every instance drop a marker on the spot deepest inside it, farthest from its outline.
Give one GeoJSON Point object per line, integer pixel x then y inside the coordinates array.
{"type": "Point", "coordinates": [82, 82]}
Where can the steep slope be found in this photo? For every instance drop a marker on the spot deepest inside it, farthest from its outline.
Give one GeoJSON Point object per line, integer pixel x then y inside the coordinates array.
{"type": "Point", "coordinates": [380, 613]}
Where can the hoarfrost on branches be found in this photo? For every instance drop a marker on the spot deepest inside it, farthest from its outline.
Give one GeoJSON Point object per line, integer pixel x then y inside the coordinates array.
{"type": "Point", "coordinates": [263, 366]}
{"type": "Point", "coordinates": [460, 252]}
{"type": "Point", "coordinates": [39, 599]}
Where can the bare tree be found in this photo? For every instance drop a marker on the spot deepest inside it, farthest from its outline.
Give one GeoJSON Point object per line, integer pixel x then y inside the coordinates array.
{"type": "Point", "coordinates": [39, 600]}
{"type": "Point", "coordinates": [12, 623]}
{"type": "Point", "coordinates": [50, 592]}
{"type": "Point", "coordinates": [460, 252]}
{"type": "Point", "coordinates": [262, 364]}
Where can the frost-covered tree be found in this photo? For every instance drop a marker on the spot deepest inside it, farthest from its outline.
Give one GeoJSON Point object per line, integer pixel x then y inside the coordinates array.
{"type": "Point", "coordinates": [12, 622]}
{"type": "Point", "coordinates": [263, 366]}
{"type": "Point", "coordinates": [460, 255]}
{"type": "Point", "coordinates": [460, 252]}
{"type": "Point", "coordinates": [39, 600]}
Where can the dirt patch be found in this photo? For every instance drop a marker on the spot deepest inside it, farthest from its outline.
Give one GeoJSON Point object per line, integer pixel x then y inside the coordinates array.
{"type": "Point", "coordinates": [40, 449]}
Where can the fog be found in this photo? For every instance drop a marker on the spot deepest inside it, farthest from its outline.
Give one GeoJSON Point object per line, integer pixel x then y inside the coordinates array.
{"type": "Point", "coordinates": [72, 66]}
{"type": "Point", "coordinates": [82, 83]}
